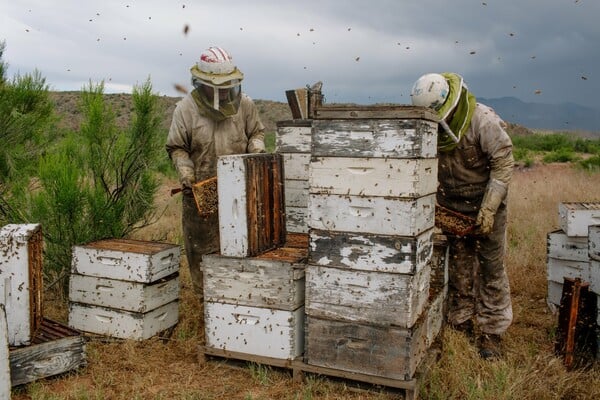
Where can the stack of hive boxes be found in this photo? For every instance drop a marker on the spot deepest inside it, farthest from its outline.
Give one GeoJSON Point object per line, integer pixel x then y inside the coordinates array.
{"type": "Point", "coordinates": [21, 280]}
{"type": "Point", "coordinates": [293, 143]}
{"type": "Point", "coordinates": [39, 347]}
{"type": "Point", "coordinates": [573, 251]}
{"type": "Point", "coordinates": [372, 184]}
{"type": "Point", "coordinates": [254, 287]}
{"type": "Point", "coordinates": [127, 289]}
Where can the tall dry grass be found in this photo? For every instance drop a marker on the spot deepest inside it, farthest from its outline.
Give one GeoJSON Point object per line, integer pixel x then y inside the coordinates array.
{"type": "Point", "coordinates": [168, 368]}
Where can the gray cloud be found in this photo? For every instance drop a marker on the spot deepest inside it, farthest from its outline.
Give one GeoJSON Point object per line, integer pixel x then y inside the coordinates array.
{"type": "Point", "coordinates": [364, 52]}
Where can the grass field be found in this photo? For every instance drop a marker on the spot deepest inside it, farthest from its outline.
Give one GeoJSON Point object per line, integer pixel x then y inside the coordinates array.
{"type": "Point", "coordinates": [169, 368]}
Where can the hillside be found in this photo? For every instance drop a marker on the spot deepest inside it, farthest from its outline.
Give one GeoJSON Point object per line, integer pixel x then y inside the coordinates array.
{"type": "Point", "coordinates": [555, 117]}
{"type": "Point", "coordinates": [67, 106]}
{"type": "Point", "coordinates": [512, 110]}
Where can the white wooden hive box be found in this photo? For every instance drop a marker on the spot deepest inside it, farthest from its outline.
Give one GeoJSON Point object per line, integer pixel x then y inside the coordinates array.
{"type": "Point", "coordinates": [575, 218]}
{"type": "Point", "coordinates": [366, 297]}
{"type": "Point", "coordinates": [371, 131]}
{"type": "Point", "coordinates": [594, 242]}
{"type": "Point", "coordinates": [564, 247]}
{"type": "Point", "coordinates": [557, 270]}
{"type": "Point", "coordinates": [126, 259]}
{"type": "Point", "coordinates": [123, 295]}
{"type": "Point", "coordinates": [21, 277]}
{"type": "Point", "coordinates": [274, 279]}
{"type": "Point", "coordinates": [296, 206]}
{"type": "Point", "coordinates": [123, 324]}
{"type": "Point", "coordinates": [293, 136]}
{"type": "Point", "coordinates": [295, 166]}
{"type": "Point", "coordinates": [369, 252]}
{"type": "Point", "coordinates": [373, 176]}
{"type": "Point", "coordinates": [377, 215]}
{"type": "Point", "coordinates": [254, 330]}
{"type": "Point", "coordinates": [251, 203]}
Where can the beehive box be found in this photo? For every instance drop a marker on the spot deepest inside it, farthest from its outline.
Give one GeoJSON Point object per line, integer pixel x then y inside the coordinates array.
{"type": "Point", "coordinates": [296, 206]}
{"type": "Point", "coordinates": [4, 360]}
{"type": "Point", "coordinates": [560, 269]}
{"type": "Point", "coordinates": [366, 214]}
{"type": "Point", "coordinates": [373, 176]}
{"type": "Point", "coordinates": [21, 274]}
{"type": "Point", "coordinates": [293, 143]}
{"type": "Point", "coordinates": [264, 332]}
{"type": "Point", "coordinates": [251, 203]}
{"type": "Point", "coordinates": [564, 247]}
{"type": "Point", "coordinates": [126, 259]}
{"type": "Point", "coordinates": [594, 242]}
{"type": "Point", "coordinates": [55, 349]}
{"type": "Point", "coordinates": [122, 324]}
{"type": "Point", "coordinates": [123, 295]}
{"type": "Point", "coordinates": [370, 252]}
{"type": "Point", "coordinates": [374, 131]}
{"type": "Point", "coordinates": [384, 351]}
{"type": "Point", "coordinates": [440, 259]}
{"type": "Point", "coordinates": [293, 136]}
{"type": "Point", "coordinates": [274, 279]}
{"type": "Point", "coordinates": [575, 218]}
{"type": "Point", "coordinates": [366, 297]}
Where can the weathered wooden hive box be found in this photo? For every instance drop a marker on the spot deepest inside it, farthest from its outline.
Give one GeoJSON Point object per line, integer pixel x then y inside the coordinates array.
{"type": "Point", "coordinates": [124, 288]}
{"type": "Point", "coordinates": [255, 305]}
{"type": "Point", "coordinates": [293, 143]}
{"type": "Point", "coordinates": [21, 274]}
{"type": "Point", "coordinates": [381, 350]}
{"type": "Point", "coordinates": [567, 257]}
{"type": "Point", "coordinates": [594, 252]}
{"type": "Point", "coordinates": [251, 203]}
{"type": "Point", "coordinates": [372, 184]}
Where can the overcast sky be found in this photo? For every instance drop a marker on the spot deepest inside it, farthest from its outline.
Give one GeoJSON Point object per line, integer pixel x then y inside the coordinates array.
{"type": "Point", "coordinates": [364, 51]}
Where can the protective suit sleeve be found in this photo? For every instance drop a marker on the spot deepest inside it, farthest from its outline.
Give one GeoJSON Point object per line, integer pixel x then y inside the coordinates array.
{"type": "Point", "coordinates": [178, 149]}
{"type": "Point", "coordinates": [496, 190]}
{"type": "Point", "coordinates": [255, 130]}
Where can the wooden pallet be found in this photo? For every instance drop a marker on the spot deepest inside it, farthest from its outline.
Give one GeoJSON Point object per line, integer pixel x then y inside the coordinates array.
{"type": "Point", "coordinates": [409, 388]}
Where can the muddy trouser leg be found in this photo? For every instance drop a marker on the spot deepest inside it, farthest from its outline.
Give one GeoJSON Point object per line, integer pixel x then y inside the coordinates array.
{"type": "Point", "coordinates": [200, 236]}
{"type": "Point", "coordinates": [494, 307]}
{"type": "Point", "coordinates": [461, 269]}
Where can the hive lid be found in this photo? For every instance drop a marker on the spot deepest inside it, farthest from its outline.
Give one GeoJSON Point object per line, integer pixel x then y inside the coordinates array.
{"type": "Point", "coordinates": [375, 111]}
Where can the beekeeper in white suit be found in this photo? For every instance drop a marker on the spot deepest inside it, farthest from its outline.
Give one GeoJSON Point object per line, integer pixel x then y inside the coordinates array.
{"type": "Point", "coordinates": [474, 171]}
{"type": "Point", "coordinates": [215, 119]}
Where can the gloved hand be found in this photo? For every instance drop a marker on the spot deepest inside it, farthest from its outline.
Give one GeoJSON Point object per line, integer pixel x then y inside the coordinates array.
{"type": "Point", "coordinates": [485, 221]}
{"type": "Point", "coordinates": [495, 193]}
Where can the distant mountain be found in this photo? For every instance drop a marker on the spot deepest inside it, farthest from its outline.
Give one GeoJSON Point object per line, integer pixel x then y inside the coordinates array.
{"type": "Point", "coordinates": [555, 117]}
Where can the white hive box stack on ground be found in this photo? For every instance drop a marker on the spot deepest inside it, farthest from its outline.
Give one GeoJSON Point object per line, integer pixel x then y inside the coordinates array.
{"type": "Point", "coordinates": [571, 250]}
{"type": "Point", "coordinates": [126, 289]}
{"type": "Point", "coordinates": [255, 305]}
{"type": "Point", "coordinates": [293, 142]}
{"type": "Point", "coordinates": [372, 184]}
{"type": "Point", "coordinates": [21, 275]}
{"type": "Point", "coordinates": [254, 294]}
{"type": "Point", "coordinates": [574, 252]}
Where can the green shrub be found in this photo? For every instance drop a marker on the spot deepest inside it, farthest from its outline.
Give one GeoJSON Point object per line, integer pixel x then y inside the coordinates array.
{"type": "Point", "coordinates": [563, 154]}
{"type": "Point", "coordinates": [591, 164]}
{"type": "Point", "coordinates": [98, 182]}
